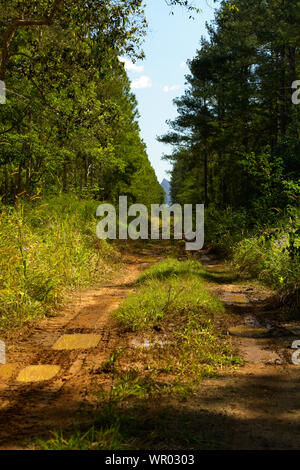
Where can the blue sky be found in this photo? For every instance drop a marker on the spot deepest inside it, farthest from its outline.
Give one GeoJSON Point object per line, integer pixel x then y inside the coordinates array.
{"type": "Point", "coordinates": [160, 77]}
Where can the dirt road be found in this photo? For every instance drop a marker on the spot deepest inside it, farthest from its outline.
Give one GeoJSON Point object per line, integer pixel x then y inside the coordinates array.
{"type": "Point", "coordinates": [257, 407]}
{"type": "Point", "coordinates": [31, 409]}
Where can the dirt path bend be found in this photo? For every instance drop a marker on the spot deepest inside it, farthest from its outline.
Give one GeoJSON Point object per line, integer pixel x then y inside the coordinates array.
{"type": "Point", "coordinates": [31, 409]}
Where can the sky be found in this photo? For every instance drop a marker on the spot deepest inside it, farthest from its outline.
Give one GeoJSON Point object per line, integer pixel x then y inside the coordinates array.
{"type": "Point", "coordinates": [160, 77]}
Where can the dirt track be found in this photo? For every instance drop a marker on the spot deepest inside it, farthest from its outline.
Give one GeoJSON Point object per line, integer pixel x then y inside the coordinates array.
{"type": "Point", "coordinates": [258, 407]}
{"type": "Point", "coordinates": [32, 409]}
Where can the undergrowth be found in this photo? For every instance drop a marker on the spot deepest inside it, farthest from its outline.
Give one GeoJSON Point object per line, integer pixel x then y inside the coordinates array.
{"type": "Point", "coordinates": [269, 251]}
{"type": "Point", "coordinates": [46, 247]}
{"type": "Point", "coordinates": [273, 257]}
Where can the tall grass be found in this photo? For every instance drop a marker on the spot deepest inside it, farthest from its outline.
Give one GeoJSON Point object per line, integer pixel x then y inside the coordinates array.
{"type": "Point", "coordinates": [270, 261]}
{"type": "Point", "coordinates": [45, 247]}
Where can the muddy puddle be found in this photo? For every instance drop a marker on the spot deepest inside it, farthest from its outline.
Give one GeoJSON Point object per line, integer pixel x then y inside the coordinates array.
{"type": "Point", "coordinates": [252, 327]}
{"type": "Point", "coordinates": [236, 298]}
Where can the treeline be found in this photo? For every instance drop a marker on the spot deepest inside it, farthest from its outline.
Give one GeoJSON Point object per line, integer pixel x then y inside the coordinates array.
{"type": "Point", "coordinates": [70, 120]}
{"type": "Point", "coordinates": [236, 136]}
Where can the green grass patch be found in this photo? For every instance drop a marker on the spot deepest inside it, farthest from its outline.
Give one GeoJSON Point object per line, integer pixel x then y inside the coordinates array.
{"type": "Point", "coordinates": [45, 247]}
{"type": "Point", "coordinates": [104, 438]}
{"type": "Point", "coordinates": [171, 298]}
{"type": "Point", "coordinates": [168, 290]}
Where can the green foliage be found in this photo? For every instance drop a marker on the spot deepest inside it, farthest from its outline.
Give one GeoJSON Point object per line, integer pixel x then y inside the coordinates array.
{"type": "Point", "coordinates": [235, 137]}
{"type": "Point", "coordinates": [46, 247]}
{"type": "Point", "coordinates": [273, 257]}
{"type": "Point", "coordinates": [224, 228]}
{"type": "Point", "coordinates": [70, 122]}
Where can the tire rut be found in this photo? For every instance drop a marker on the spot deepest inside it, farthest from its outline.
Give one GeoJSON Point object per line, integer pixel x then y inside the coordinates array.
{"type": "Point", "coordinates": [32, 409]}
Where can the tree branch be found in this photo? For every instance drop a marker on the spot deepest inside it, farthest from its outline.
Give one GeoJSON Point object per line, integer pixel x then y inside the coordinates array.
{"type": "Point", "coordinates": [16, 124]}
{"type": "Point", "coordinates": [21, 23]}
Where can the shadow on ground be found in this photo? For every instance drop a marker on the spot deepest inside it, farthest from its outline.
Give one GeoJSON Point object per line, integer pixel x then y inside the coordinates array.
{"type": "Point", "coordinates": [248, 412]}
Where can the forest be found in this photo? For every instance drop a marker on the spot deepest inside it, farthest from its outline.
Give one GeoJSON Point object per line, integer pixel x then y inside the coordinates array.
{"type": "Point", "coordinates": [236, 137]}
{"type": "Point", "coordinates": [127, 345]}
{"type": "Point", "coordinates": [70, 122]}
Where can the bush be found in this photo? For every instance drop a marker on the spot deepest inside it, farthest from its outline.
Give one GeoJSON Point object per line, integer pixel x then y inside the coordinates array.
{"type": "Point", "coordinates": [224, 228]}
{"type": "Point", "coordinates": [273, 257]}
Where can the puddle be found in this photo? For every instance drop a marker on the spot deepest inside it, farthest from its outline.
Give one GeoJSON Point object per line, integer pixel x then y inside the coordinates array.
{"type": "Point", "coordinates": [252, 328]}
{"type": "Point", "coordinates": [253, 322]}
{"type": "Point", "coordinates": [235, 299]}
{"type": "Point", "coordinates": [254, 353]}
{"type": "Point", "coordinates": [250, 320]}
{"type": "Point", "coordinates": [244, 331]}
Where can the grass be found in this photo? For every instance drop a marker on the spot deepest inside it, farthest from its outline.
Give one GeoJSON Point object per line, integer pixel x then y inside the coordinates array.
{"type": "Point", "coordinates": [268, 252]}
{"type": "Point", "coordinates": [274, 259]}
{"type": "Point", "coordinates": [173, 308]}
{"type": "Point", "coordinates": [170, 289]}
{"type": "Point", "coordinates": [107, 438]}
{"type": "Point", "coordinates": [142, 407]}
{"type": "Point", "coordinates": [269, 261]}
{"type": "Point", "coordinates": [141, 427]}
{"type": "Point", "coordinates": [45, 248]}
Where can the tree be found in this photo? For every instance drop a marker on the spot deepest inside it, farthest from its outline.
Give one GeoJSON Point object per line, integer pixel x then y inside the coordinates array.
{"type": "Point", "coordinates": [236, 135]}
{"type": "Point", "coordinates": [70, 118]}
